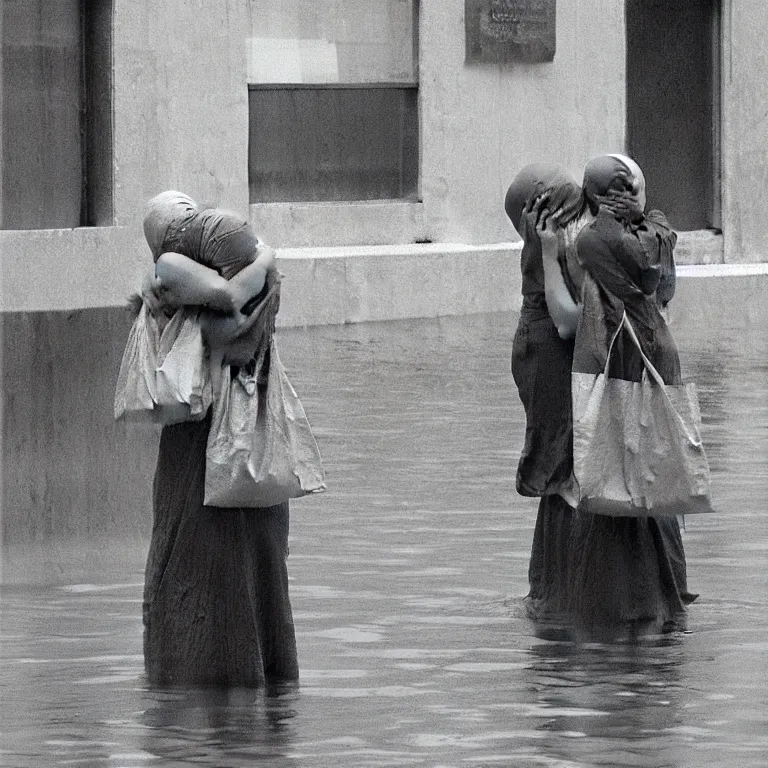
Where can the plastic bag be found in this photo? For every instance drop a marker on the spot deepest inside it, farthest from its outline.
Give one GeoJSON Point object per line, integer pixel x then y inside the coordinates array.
{"type": "Point", "coordinates": [261, 450]}
{"type": "Point", "coordinates": [164, 376]}
{"type": "Point", "coordinates": [637, 450]}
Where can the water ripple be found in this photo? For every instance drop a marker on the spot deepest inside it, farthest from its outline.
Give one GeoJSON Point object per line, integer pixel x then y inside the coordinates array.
{"type": "Point", "coordinates": [406, 579]}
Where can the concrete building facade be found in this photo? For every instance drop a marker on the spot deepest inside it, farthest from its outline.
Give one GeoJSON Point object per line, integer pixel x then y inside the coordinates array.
{"type": "Point", "coordinates": [182, 79]}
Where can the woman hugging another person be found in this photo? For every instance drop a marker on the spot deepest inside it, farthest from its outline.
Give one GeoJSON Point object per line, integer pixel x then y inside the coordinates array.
{"type": "Point", "coordinates": [216, 604]}
{"type": "Point", "coordinates": [542, 354]}
{"type": "Point", "coordinates": [600, 576]}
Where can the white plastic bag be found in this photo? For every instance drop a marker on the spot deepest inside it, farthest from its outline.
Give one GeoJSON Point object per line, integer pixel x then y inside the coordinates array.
{"type": "Point", "coordinates": [164, 376]}
{"type": "Point", "coordinates": [637, 450]}
{"type": "Point", "coordinates": [261, 450]}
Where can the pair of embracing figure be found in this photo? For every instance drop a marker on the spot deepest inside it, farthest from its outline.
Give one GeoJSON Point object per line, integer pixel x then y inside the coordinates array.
{"type": "Point", "coordinates": [590, 254]}
{"type": "Point", "coordinates": [216, 602]}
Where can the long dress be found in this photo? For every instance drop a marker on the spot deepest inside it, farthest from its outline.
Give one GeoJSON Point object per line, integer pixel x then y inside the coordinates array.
{"type": "Point", "coordinates": [599, 576]}
{"type": "Point", "coordinates": [216, 605]}
{"type": "Point", "coordinates": [627, 571]}
{"type": "Point", "coordinates": [541, 367]}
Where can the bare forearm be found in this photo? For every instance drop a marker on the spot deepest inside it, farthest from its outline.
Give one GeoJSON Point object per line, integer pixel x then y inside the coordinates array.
{"type": "Point", "coordinates": [193, 283]}
{"type": "Point", "coordinates": [220, 330]}
{"type": "Point", "coordinates": [563, 310]}
{"type": "Point", "coordinates": [250, 280]}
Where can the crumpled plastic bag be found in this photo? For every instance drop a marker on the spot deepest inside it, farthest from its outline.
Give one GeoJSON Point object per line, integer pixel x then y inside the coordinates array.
{"type": "Point", "coordinates": [261, 450]}
{"type": "Point", "coordinates": [164, 376]}
{"type": "Point", "coordinates": [637, 448]}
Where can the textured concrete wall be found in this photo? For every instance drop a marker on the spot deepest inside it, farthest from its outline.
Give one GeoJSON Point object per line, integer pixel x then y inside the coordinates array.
{"type": "Point", "coordinates": [745, 129]}
{"type": "Point", "coordinates": [180, 103]}
{"type": "Point", "coordinates": [180, 120]}
{"type": "Point", "coordinates": [68, 469]}
{"type": "Point", "coordinates": [58, 269]}
{"type": "Point", "coordinates": [480, 123]}
{"type": "Point", "coordinates": [317, 225]}
{"type": "Point", "coordinates": [483, 122]}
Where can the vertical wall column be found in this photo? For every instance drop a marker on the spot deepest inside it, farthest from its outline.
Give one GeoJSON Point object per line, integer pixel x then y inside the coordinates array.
{"type": "Point", "coordinates": [744, 130]}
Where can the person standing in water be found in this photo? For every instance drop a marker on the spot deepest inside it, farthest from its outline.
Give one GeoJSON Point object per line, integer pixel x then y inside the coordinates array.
{"type": "Point", "coordinates": [216, 605]}
{"type": "Point", "coordinates": [542, 353]}
{"type": "Point", "coordinates": [594, 575]}
{"type": "Point", "coordinates": [627, 572]}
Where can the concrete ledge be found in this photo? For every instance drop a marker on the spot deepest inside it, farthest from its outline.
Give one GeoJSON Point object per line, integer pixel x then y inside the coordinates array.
{"type": "Point", "coordinates": [368, 283]}
{"type": "Point", "coordinates": [701, 246]}
{"type": "Point", "coordinates": [63, 270]}
{"type": "Point", "coordinates": [304, 225]}
{"type": "Point", "coordinates": [71, 269]}
{"type": "Point", "coordinates": [709, 295]}
{"type": "Point", "coordinates": [722, 270]}
{"type": "Point", "coordinates": [67, 269]}
{"type": "Point", "coordinates": [354, 284]}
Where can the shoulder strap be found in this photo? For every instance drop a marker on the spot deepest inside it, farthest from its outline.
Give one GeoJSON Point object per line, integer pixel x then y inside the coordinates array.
{"type": "Point", "coordinates": [648, 364]}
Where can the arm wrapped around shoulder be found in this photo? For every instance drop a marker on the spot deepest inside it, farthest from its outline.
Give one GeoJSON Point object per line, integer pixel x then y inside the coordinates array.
{"type": "Point", "coordinates": [237, 338]}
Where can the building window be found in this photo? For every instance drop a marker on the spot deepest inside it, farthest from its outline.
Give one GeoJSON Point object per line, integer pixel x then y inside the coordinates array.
{"type": "Point", "coordinates": [673, 106]}
{"type": "Point", "coordinates": [56, 169]}
{"type": "Point", "coordinates": [333, 100]}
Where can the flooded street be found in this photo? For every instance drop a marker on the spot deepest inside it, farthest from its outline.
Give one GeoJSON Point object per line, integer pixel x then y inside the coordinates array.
{"type": "Point", "coordinates": [407, 577]}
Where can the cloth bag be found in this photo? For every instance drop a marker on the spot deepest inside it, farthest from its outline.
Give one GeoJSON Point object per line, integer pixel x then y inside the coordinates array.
{"type": "Point", "coordinates": [164, 375]}
{"type": "Point", "coordinates": [261, 450]}
{"type": "Point", "coordinates": [637, 450]}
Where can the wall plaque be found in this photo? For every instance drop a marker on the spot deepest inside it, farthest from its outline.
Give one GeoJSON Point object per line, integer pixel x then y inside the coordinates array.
{"type": "Point", "coordinates": [510, 30]}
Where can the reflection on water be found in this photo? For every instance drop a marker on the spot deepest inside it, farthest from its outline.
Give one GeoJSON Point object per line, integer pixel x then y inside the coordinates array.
{"type": "Point", "coordinates": [406, 581]}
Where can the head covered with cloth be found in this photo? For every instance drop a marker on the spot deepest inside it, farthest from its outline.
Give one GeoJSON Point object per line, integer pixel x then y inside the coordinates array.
{"type": "Point", "coordinates": [225, 242]}
{"type": "Point", "coordinates": [166, 217]}
{"type": "Point", "coordinates": [613, 177]}
{"type": "Point", "coordinates": [217, 239]}
{"type": "Point", "coordinates": [221, 240]}
{"type": "Point", "coordinates": [609, 175]}
{"type": "Point", "coordinates": [540, 190]}
{"type": "Point", "coordinates": [539, 180]}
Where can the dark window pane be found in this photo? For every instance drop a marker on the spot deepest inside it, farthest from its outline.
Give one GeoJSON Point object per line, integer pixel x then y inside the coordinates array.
{"type": "Point", "coordinates": [42, 170]}
{"type": "Point", "coordinates": [97, 125]}
{"type": "Point", "coordinates": [673, 107]}
{"type": "Point", "coordinates": [56, 114]}
{"type": "Point", "coordinates": [333, 143]}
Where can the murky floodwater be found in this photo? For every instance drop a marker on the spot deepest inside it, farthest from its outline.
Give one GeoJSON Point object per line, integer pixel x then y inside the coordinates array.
{"type": "Point", "coordinates": [406, 581]}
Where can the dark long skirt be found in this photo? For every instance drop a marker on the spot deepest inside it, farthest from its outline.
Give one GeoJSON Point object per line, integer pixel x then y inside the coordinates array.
{"type": "Point", "coordinates": [549, 570]}
{"type": "Point", "coordinates": [605, 577]}
{"type": "Point", "coordinates": [216, 605]}
{"type": "Point", "coordinates": [541, 367]}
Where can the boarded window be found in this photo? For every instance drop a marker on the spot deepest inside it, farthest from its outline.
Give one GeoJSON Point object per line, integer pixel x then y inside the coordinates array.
{"type": "Point", "coordinates": [56, 114]}
{"type": "Point", "coordinates": [333, 100]}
